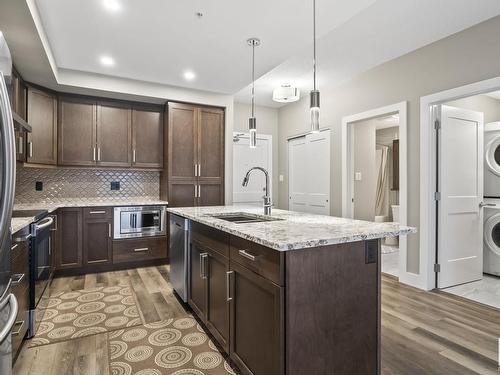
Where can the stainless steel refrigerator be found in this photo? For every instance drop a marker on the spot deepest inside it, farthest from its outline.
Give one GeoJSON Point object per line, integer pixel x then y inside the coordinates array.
{"type": "Point", "coordinates": [8, 302]}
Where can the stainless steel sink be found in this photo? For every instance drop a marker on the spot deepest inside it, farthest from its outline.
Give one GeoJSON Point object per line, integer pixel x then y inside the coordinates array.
{"type": "Point", "coordinates": [244, 218]}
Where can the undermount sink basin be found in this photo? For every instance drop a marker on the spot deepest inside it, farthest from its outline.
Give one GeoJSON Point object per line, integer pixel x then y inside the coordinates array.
{"type": "Point", "coordinates": [243, 218]}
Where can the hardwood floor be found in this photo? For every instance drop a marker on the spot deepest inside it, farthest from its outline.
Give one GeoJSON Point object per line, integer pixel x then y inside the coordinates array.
{"type": "Point", "coordinates": [422, 332]}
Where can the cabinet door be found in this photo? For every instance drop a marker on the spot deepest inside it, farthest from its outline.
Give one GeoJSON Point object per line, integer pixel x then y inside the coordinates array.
{"type": "Point", "coordinates": [182, 194]}
{"type": "Point", "coordinates": [42, 116]}
{"type": "Point", "coordinates": [182, 146]}
{"type": "Point", "coordinates": [147, 138]}
{"type": "Point", "coordinates": [210, 136]}
{"type": "Point", "coordinates": [97, 241]}
{"type": "Point", "coordinates": [217, 319]}
{"type": "Point", "coordinates": [114, 135]}
{"type": "Point", "coordinates": [69, 247]}
{"type": "Point", "coordinates": [257, 322]}
{"type": "Point", "coordinates": [210, 194]}
{"type": "Point", "coordinates": [76, 132]}
{"type": "Point", "coordinates": [198, 276]}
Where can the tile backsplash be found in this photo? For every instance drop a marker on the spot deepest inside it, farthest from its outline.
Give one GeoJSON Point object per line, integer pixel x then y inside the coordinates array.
{"type": "Point", "coordinates": [93, 184]}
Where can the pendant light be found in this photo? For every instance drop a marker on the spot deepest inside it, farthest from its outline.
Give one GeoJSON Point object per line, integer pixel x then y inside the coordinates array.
{"type": "Point", "coordinates": [252, 121]}
{"type": "Point", "coordinates": [314, 95]}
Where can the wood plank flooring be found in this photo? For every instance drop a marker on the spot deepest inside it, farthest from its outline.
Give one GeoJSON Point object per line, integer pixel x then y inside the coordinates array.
{"type": "Point", "coordinates": [422, 332]}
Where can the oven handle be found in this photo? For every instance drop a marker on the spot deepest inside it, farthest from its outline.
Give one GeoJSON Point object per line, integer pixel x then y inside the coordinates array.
{"type": "Point", "coordinates": [44, 223]}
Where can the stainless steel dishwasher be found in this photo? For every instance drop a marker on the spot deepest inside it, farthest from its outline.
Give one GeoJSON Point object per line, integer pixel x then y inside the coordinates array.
{"type": "Point", "coordinates": [179, 253]}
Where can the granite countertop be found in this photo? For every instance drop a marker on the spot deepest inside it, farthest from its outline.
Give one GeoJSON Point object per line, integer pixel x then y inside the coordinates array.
{"type": "Point", "coordinates": [295, 230]}
{"type": "Point", "coordinates": [19, 223]}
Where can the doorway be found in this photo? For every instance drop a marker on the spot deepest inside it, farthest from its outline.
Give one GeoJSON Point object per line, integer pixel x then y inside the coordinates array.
{"type": "Point", "coordinates": [245, 158]}
{"type": "Point", "coordinates": [309, 173]}
{"type": "Point", "coordinates": [374, 170]}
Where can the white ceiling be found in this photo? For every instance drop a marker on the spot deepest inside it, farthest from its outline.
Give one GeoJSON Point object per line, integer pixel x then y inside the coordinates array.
{"type": "Point", "coordinates": [494, 95]}
{"type": "Point", "coordinates": [157, 40]}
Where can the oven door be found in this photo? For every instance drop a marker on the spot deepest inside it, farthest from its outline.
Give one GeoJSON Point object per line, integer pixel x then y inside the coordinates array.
{"type": "Point", "coordinates": [140, 223]}
{"type": "Point", "coordinates": [41, 265]}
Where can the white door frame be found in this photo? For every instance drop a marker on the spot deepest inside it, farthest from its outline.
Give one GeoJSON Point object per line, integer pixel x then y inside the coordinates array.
{"type": "Point", "coordinates": [347, 163]}
{"type": "Point", "coordinates": [427, 229]}
{"type": "Point", "coordinates": [269, 138]}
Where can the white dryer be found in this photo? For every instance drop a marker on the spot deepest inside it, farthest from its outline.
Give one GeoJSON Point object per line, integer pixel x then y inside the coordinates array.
{"type": "Point", "coordinates": [492, 160]}
{"type": "Point", "coordinates": [491, 239]}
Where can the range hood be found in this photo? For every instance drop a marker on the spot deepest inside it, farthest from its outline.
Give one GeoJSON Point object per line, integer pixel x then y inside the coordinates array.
{"type": "Point", "coordinates": [20, 124]}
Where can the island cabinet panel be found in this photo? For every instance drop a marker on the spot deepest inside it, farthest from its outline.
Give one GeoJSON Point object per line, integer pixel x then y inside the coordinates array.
{"type": "Point", "coordinates": [70, 243]}
{"type": "Point", "coordinates": [76, 132]}
{"type": "Point", "coordinates": [147, 138]}
{"type": "Point", "coordinates": [212, 238]}
{"type": "Point", "coordinates": [113, 135]}
{"type": "Point", "coordinates": [198, 286]}
{"type": "Point", "coordinates": [333, 310]}
{"type": "Point", "coordinates": [42, 116]}
{"type": "Point", "coordinates": [257, 323]}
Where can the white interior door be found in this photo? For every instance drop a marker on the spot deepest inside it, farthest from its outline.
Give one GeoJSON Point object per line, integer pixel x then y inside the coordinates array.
{"type": "Point", "coordinates": [245, 158]}
{"type": "Point", "coordinates": [460, 179]}
{"type": "Point", "coordinates": [309, 173]}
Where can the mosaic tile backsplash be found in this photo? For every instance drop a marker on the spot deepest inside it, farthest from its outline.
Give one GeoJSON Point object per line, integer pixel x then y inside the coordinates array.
{"type": "Point", "coordinates": [92, 184]}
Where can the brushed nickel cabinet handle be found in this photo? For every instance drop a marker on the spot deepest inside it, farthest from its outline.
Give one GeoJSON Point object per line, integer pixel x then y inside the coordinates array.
{"type": "Point", "coordinates": [199, 191]}
{"type": "Point", "coordinates": [247, 255]}
{"type": "Point", "coordinates": [196, 170]}
{"type": "Point", "coordinates": [203, 266]}
{"type": "Point", "coordinates": [93, 154]}
{"type": "Point", "coordinates": [98, 154]}
{"type": "Point", "coordinates": [199, 170]}
{"type": "Point", "coordinates": [17, 278]}
{"type": "Point", "coordinates": [141, 249]}
{"type": "Point", "coordinates": [20, 145]}
{"type": "Point", "coordinates": [228, 286]}
{"type": "Point", "coordinates": [133, 156]}
{"type": "Point", "coordinates": [30, 145]}
{"type": "Point", "coordinates": [97, 212]}
{"type": "Point", "coordinates": [14, 246]}
{"type": "Point", "coordinates": [109, 230]}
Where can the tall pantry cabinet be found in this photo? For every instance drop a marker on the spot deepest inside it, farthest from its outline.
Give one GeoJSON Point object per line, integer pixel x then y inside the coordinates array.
{"type": "Point", "coordinates": [195, 172]}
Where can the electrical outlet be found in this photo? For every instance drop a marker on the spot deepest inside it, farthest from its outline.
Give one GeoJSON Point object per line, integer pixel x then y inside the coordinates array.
{"type": "Point", "coordinates": [115, 185]}
{"type": "Point", "coordinates": [38, 185]}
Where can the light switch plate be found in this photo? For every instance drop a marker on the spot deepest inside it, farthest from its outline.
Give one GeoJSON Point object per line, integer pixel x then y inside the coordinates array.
{"type": "Point", "coordinates": [282, 178]}
{"type": "Point", "coordinates": [357, 176]}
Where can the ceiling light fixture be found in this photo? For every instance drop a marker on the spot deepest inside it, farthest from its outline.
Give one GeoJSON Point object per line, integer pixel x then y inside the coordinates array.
{"type": "Point", "coordinates": [189, 75]}
{"type": "Point", "coordinates": [252, 121]}
{"type": "Point", "coordinates": [286, 94]}
{"type": "Point", "coordinates": [112, 5]}
{"type": "Point", "coordinates": [107, 61]}
{"type": "Point", "coordinates": [314, 95]}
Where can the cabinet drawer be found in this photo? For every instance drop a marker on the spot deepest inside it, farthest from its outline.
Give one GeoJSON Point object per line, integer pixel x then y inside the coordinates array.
{"type": "Point", "coordinates": [21, 325]}
{"type": "Point", "coordinates": [260, 259]}
{"type": "Point", "coordinates": [137, 250]}
{"type": "Point", "coordinates": [20, 257]}
{"type": "Point", "coordinates": [214, 239]}
{"type": "Point", "coordinates": [97, 212]}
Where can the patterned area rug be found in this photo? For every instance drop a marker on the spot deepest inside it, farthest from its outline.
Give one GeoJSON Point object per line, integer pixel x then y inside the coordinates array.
{"type": "Point", "coordinates": [173, 347]}
{"type": "Point", "coordinates": [86, 312]}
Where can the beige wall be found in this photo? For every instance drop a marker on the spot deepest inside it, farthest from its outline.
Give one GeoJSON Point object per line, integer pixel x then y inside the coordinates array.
{"type": "Point", "coordinates": [480, 103]}
{"type": "Point", "coordinates": [365, 190]}
{"type": "Point", "coordinates": [267, 123]}
{"type": "Point", "coordinates": [469, 56]}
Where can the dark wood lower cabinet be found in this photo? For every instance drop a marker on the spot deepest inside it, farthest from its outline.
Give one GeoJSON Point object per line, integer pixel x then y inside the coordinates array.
{"type": "Point", "coordinates": [97, 245]}
{"type": "Point", "coordinates": [257, 323]}
{"type": "Point", "coordinates": [70, 238]}
{"type": "Point", "coordinates": [197, 285]}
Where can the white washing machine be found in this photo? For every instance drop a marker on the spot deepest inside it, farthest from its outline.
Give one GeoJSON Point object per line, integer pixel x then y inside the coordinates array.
{"type": "Point", "coordinates": [491, 238]}
{"type": "Point", "coordinates": [492, 160]}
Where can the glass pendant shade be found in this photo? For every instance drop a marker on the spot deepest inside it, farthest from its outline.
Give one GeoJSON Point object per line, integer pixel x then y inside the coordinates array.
{"type": "Point", "coordinates": [252, 126]}
{"type": "Point", "coordinates": [315, 111]}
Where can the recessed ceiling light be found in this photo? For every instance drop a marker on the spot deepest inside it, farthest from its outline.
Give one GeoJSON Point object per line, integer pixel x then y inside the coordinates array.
{"type": "Point", "coordinates": [107, 61]}
{"type": "Point", "coordinates": [189, 75]}
{"type": "Point", "coordinates": [112, 5]}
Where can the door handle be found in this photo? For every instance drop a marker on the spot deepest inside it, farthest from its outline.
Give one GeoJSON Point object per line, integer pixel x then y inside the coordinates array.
{"type": "Point", "coordinates": [141, 249]}
{"type": "Point", "coordinates": [30, 148]}
{"type": "Point", "coordinates": [199, 170]}
{"type": "Point", "coordinates": [98, 154]}
{"type": "Point", "coordinates": [482, 204]}
{"type": "Point", "coordinates": [16, 278]}
{"type": "Point", "coordinates": [196, 170]}
{"type": "Point", "coordinates": [109, 230]}
{"type": "Point", "coordinates": [93, 154]}
{"type": "Point", "coordinates": [247, 255]}
{"type": "Point", "coordinates": [133, 156]}
{"type": "Point", "coordinates": [203, 266]}
{"type": "Point", "coordinates": [97, 212]}
{"type": "Point", "coordinates": [228, 286]}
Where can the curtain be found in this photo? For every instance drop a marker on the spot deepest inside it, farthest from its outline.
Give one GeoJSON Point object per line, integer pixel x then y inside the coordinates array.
{"type": "Point", "coordinates": [381, 208]}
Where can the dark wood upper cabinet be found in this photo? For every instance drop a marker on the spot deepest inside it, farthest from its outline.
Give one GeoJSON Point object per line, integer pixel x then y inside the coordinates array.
{"type": "Point", "coordinates": [195, 155]}
{"type": "Point", "coordinates": [76, 132]}
{"type": "Point", "coordinates": [182, 142]}
{"type": "Point", "coordinates": [17, 94]}
{"type": "Point", "coordinates": [147, 138]}
{"type": "Point", "coordinates": [42, 116]}
{"type": "Point", "coordinates": [69, 230]}
{"type": "Point", "coordinates": [114, 135]}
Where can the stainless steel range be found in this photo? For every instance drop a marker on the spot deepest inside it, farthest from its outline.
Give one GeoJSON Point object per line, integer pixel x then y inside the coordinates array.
{"type": "Point", "coordinates": [139, 221]}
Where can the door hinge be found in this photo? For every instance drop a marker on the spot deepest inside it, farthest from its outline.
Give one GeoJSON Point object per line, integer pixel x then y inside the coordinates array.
{"type": "Point", "coordinates": [437, 267]}
{"type": "Point", "coordinates": [437, 196]}
{"type": "Point", "coordinates": [437, 124]}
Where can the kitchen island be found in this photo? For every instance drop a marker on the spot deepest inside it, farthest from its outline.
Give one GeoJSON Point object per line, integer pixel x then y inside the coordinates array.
{"type": "Point", "coordinates": [290, 293]}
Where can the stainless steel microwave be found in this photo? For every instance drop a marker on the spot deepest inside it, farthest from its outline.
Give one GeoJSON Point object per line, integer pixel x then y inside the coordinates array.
{"type": "Point", "coordinates": [139, 221]}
